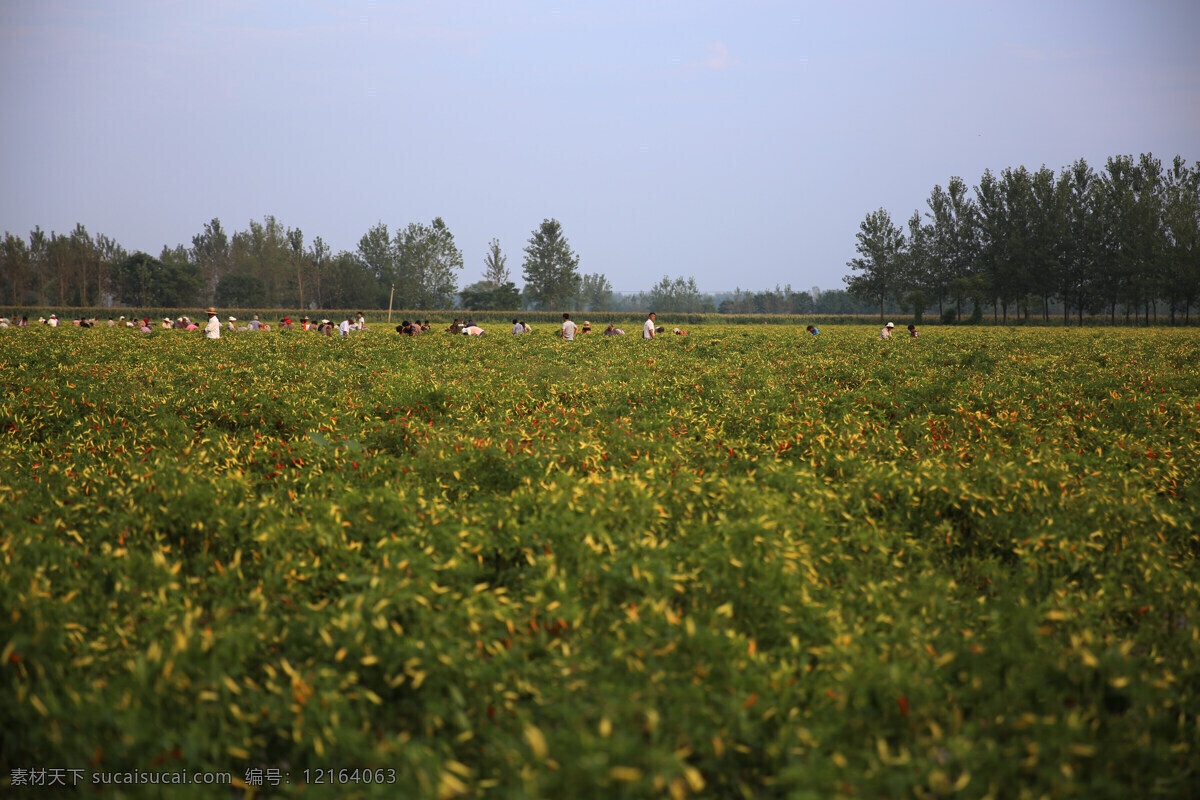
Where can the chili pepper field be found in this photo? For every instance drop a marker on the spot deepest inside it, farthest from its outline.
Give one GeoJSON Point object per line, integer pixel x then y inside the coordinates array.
{"type": "Point", "coordinates": [743, 563]}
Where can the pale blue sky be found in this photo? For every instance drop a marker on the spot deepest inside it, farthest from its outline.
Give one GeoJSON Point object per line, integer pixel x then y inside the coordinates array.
{"type": "Point", "coordinates": [737, 142]}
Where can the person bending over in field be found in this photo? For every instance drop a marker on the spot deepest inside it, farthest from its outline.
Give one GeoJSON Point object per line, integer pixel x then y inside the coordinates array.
{"type": "Point", "coordinates": [812, 330]}
{"type": "Point", "coordinates": [886, 332]}
{"type": "Point", "coordinates": [912, 331]}
{"type": "Point", "coordinates": [680, 332]}
{"type": "Point", "coordinates": [518, 328]}
{"type": "Point", "coordinates": [473, 330]}
{"type": "Point", "coordinates": [405, 328]}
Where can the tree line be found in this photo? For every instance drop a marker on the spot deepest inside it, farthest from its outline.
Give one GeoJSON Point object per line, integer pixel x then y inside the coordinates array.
{"type": "Point", "coordinates": [270, 265]}
{"type": "Point", "coordinates": [1123, 241]}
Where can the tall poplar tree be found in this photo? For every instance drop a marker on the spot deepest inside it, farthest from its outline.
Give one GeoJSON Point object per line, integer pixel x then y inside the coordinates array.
{"type": "Point", "coordinates": [879, 267]}
{"type": "Point", "coordinates": [551, 268]}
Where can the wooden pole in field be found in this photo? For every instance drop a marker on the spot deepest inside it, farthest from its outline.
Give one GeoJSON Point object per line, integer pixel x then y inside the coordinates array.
{"type": "Point", "coordinates": [390, 298]}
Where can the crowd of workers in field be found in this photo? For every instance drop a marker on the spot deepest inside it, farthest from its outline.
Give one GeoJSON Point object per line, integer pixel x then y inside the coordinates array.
{"type": "Point", "coordinates": [213, 326]}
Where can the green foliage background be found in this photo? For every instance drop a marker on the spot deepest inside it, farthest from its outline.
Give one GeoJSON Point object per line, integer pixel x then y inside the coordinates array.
{"type": "Point", "coordinates": [740, 563]}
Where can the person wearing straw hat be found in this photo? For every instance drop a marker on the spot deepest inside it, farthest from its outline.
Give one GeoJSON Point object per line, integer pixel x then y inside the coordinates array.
{"type": "Point", "coordinates": [212, 330]}
{"type": "Point", "coordinates": [886, 333]}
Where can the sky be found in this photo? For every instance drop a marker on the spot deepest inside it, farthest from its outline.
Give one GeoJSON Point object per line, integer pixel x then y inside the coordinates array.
{"type": "Point", "coordinates": [739, 143]}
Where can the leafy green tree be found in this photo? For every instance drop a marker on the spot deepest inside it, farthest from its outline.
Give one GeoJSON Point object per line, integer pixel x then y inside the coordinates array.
{"type": "Point", "coordinates": [483, 296]}
{"type": "Point", "coordinates": [679, 295]}
{"type": "Point", "coordinates": [299, 264]}
{"type": "Point", "coordinates": [16, 269]}
{"type": "Point", "coordinates": [319, 259]}
{"type": "Point", "coordinates": [179, 281]}
{"type": "Point", "coordinates": [39, 258]}
{"type": "Point", "coordinates": [1181, 214]}
{"type": "Point", "coordinates": [377, 258]}
{"type": "Point", "coordinates": [1046, 232]}
{"type": "Point", "coordinates": [352, 283]}
{"type": "Point", "coordinates": [1076, 271]}
{"type": "Point", "coordinates": [110, 253]}
{"type": "Point", "coordinates": [135, 280]}
{"type": "Point", "coordinates": [241, 291]}
{"type": "Point", "coordinates": [495, 269]}
{"type": "Point", "coordinates": [551, 268]}
{"type": "Point", "coordinates": [426, 260]}
{"type": "Point", "coordinates": [954, 246]}
{"type": "Point", "coordinates": [595, 293]}
{"type": "Point", "coordinates": [879, 267]}
{"type": "Point", "coordinates": [210, 250]}
{"type": "Point", "coordinates": [262, 251]}
{"type": "Point", "coordinates": [918, 272]}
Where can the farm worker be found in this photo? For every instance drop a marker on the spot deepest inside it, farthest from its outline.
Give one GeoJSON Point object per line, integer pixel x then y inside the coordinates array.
{"type": "Point", "coordinates": [912, 331]}
{"type": "Point", "coordinates": [360, 322]}
{"type": "Point", "coordinates": [230, 324]}
{"type": "Point", "coordinates": [518, 328]}
{"type": "Point", "coordinates": [568, 328]}
{"type": "Point", "coordinates": [587, 327]}
{"type": "Point", "coordinates": [679, 332]}
{"type": "Point", "coordinates": [473, 330]}
{"type": "Point", "coordinates": [212, 330]}
{"type": "Point", "coordinates": [812, 329]}
{"type": "Point", "coordinates": [255, 324]}
{"type": "Point", "coordinates": [886, 333]}
{"type": "Point", "coordinates": [344, 328]}
{"type": "Point", "coordinates": [648, 331]}
{"type": "Point", "coordinates": [53, 323]}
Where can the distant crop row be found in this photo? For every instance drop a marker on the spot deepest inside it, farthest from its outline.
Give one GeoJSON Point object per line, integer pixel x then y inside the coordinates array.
{"type": "Point", "coordinates": [740, 563]}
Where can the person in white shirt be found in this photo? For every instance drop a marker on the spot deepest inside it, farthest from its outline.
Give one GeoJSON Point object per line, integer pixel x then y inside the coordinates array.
{"type": "Point", "coordinates": [568, 328]}
{"type": "Point", "coordinates": [53, 321]}
{"type": "Point", "coordinates": [886, 333]}
{"type": "Point", "coordinates": [518, 328]}
{"type": "Point", "coordinates": [344, 328]}
{"type": "Point", "coordinates": [212, 330]}
{"type": "Point", "coordinates": [648, 328]}
{"type": "Point", "coordinates": [473, 330]}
